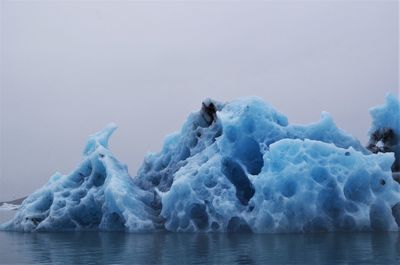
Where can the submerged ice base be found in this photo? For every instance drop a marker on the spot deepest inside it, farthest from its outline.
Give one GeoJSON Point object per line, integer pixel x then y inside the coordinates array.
{"type": "Point", "coordinates": [233, 167]}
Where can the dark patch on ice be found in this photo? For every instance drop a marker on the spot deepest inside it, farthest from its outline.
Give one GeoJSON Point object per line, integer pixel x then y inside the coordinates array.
{"type": "Point", "coordinates": [236, 175]}
{"type": "Point", "coordinates": [385, 140]}
{"type": "Point", "coordinates": [237, 224]}
{"type": "Point", "coordinates": [199, 215]}
{"type": "Point", "coordinates": [208, 111]}
{"type": "Point", "coordinates": [396, 213]}
{"type": "Point", "coordinates": [248, 151]}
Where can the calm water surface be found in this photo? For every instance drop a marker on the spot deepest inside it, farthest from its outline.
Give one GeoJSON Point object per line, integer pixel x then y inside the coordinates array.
{"type": "Point", "coordinates": [168, 248]}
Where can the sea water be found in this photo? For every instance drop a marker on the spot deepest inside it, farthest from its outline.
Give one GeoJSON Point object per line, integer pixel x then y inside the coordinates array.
{"type": "Point", "coordinates": [197, 248]}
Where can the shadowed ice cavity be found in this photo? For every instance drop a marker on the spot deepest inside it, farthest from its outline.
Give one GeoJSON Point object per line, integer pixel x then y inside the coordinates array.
{"type": "Point", "coordinates": [233, 167]}
{"type": "Point", "coordinates": [234, 172]}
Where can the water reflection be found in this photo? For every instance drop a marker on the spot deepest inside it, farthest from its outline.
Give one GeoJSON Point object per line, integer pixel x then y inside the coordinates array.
{"type": "Point", "coordinates": [166, 248]}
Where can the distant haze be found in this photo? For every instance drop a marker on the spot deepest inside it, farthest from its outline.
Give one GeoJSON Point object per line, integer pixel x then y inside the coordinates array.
{"type": "Point", "coordinates": [69, 68]}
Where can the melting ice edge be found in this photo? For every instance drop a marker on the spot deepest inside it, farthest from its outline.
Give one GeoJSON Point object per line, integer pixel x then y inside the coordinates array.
{"type": "Point", "coordinates": [233, 167]}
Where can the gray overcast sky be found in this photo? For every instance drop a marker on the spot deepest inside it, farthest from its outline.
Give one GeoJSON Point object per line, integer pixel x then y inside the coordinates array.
{"type": "Point", "coordinates": [69, 68]}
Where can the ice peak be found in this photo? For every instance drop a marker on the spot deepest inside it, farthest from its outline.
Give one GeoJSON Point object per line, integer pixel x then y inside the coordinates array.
{"type": "Point", "coordinates": [99, 138]}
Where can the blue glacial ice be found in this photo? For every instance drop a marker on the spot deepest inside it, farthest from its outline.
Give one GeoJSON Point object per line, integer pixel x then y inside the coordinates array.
{"type": "Point", "coordinates": [233, 167]}
{"type": "Point", "coordinates": [94, 196]}
{"type": "Point", "coordinates": [385, 131]}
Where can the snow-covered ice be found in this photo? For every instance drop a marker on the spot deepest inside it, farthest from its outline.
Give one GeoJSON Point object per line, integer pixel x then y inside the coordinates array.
{"type": "Point", "coordinates": [233, 167]}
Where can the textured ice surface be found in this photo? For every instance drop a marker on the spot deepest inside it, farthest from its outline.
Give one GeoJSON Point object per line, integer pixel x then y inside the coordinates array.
{"type": "Point", "coordinates": [99, 194]}
{"type": "Point", "coordinates": [233, 167]}
{"type": "Point", "coordinates": [385, 131]}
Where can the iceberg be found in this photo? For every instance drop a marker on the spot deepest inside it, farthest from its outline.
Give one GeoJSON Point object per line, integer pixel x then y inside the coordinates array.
{"type": "Point", "coordinates": [94, 196]}
{"type": "Point", "coordinates": [233, 167]}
